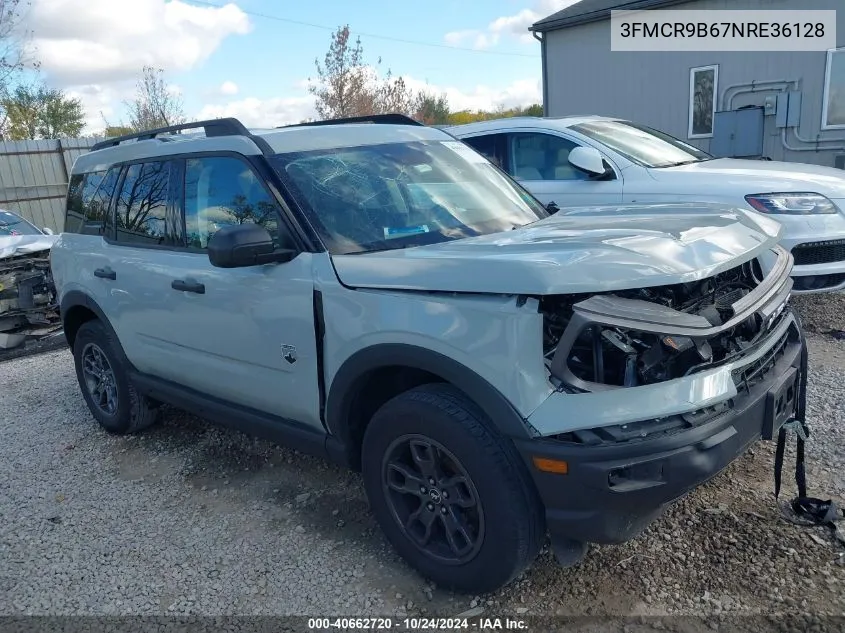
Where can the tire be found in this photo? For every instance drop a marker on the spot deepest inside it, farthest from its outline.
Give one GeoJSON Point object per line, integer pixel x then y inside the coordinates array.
{"type": "Point", "coordinates": [506, 527]}
{"type": "Point", "coordinates": [117, 407]}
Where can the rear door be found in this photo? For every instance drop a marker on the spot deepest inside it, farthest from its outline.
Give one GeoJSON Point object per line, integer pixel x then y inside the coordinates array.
{"type": "Point", "coordinates": [84, 257]}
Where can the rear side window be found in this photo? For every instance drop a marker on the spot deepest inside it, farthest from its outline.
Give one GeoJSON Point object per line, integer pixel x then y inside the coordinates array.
{"type": "Point", "coordinates": [89, 197]}
{"type": "Point", "coordinates": [144, 211]}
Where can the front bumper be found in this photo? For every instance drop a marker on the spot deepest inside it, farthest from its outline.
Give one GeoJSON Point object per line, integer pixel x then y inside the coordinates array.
{"type": "Point", "coordinates": [823, 274]}
{"type": "Point", "coordinates": [614, 489]}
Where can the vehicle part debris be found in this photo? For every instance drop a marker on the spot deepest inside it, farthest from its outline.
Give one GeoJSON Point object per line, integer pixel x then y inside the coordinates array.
{"type": "Point", "coordinates": [28, 308]}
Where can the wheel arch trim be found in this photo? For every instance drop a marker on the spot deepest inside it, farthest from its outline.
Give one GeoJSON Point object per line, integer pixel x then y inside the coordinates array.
{"type": "Point", "coordinates": [496, 406]}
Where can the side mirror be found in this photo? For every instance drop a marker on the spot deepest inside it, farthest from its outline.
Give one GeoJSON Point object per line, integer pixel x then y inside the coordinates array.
{"type": "Point", "coordinates": [48, 231]}
{"type": "Point", "coordinates": [587, 159]}
{"type": "Point", "coordinates": [552, 208]}
{"type": "Point", "coordinates": [241, 245]}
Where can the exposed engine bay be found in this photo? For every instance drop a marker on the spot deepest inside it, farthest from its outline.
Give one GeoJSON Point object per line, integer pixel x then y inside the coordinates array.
{"type": "Point", "coordinates": [28, 305]}
{"type": "Point", "coordinates": [625, 357]}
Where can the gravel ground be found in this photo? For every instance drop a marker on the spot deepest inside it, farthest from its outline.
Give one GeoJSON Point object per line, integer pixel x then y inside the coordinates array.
{"type": "Point", "coordinates": [191, 519]}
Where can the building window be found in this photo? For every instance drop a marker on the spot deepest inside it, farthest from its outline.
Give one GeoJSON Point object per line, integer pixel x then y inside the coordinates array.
{"type": "Point", "coordinates": [703, 91]}
{"type": "Point", "coordinates": [833, 106]}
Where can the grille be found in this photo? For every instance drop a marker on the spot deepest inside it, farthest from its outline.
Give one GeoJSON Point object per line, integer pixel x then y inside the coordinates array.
{"type": "Point", "coordinates": [753, 373]}
{"type": "Point", "coordinates": [819, 252]}
{"type": "Point", "coordinates": [818, 282]}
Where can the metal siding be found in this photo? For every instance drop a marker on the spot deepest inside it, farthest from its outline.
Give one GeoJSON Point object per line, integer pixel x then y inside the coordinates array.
{"type": "Point", "coordinates": [34, 178]}
{"type": "Point", "coordinates": [585, 76]}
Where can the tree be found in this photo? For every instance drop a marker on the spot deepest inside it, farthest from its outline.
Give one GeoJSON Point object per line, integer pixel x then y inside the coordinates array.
{"type": "Point", "coordinates": [42, 113]}
{"type": "Point", "coordinates": [154, 104]}
{"type": "Point", "coordinates": [431, 109]}
{"type": "Point", "coordinates": [342, 88]}
{"type": "Point", "coordinates": [12, 50]}
{"type": "Point", "coordinates": [393, 95]}
{"type": "Point", "coordinates": [60, 116]}
{"type": "Point", "coordinates": [347, 87]}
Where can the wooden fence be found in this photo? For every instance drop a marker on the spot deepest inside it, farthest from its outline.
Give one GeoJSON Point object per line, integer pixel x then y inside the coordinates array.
{"type": "Point", "coordinates": [34, 178]}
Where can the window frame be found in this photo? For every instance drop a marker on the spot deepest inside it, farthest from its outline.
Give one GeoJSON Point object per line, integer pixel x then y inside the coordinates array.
{"type": "Point", "coordinates": [303, 236]}
{"type": "Point", "coordinates": [180, 202]}
{"type": "Point", "coordinates": [826, 89]}
{"type": "Point", "coordinates": [500, 148]}
{"type": "Point", "coordinates": [509, 142]}
{"type": "Point", "coordinates": [691, 103]}
{"type": "Point", "coordinates": [110, 236]}
{"type": "Point", "coordinates": [86, 227]}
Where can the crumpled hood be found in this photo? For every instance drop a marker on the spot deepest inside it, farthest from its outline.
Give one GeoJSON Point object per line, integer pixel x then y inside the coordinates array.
{"type": "Point", "coordinates": [581, 250]}
{"type": "Point", "coordinates": [11, 245]}
{"type": "Point", "coordinates": [757, 176]}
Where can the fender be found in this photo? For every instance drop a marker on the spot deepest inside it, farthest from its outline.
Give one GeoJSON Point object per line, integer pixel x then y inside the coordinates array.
{"type": "Point", "coordinates": [345, 384]}
{"type": "Point", "coordinates": [76, 298]}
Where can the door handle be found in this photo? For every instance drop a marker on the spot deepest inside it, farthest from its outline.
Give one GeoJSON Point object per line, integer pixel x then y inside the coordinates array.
{"type": "Point", "coordinates": [105, 273]}
{"type": "Point", "coordinates": [188, 286]}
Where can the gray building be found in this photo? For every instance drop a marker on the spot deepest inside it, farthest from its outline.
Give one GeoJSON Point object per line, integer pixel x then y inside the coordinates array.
{"type": "Point", "coordinates": [779, 105]}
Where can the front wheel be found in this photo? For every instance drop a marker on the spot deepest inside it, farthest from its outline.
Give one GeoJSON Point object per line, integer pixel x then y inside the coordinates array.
{"type": "Point", "coordinates": [105, 383]}
{"type": "Point", "coordinates": [451, 495]}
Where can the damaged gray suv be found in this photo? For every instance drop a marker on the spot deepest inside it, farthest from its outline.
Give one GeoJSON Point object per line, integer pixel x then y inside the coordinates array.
{"type": "Point", "coordinates": [378, 293]}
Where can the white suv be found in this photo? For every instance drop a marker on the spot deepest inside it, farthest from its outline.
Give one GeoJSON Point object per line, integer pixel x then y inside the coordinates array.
{"type": "Point", "coordinates": [379, 294]}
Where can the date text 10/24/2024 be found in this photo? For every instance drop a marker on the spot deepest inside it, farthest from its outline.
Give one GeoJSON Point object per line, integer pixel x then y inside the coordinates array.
{"type": "Point", "coordinates": [417, 624]}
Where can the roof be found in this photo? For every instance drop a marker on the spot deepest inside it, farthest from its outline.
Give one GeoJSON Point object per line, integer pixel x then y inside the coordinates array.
{"type": "Point", "coordinates": [528, 122]}
{"type": "Point", "coordinates": [254, 142]}
{"type": "Point", "coordinates": [594, 11]}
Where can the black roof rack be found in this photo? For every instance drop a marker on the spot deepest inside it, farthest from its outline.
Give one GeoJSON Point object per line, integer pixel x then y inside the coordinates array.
{"type": "Point", "coordinates": [213, 127]}
{"type": "Point", "coordinates": [388, 119]}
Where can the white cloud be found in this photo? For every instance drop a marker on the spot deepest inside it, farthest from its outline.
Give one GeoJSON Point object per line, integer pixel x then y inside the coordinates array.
{"type": "Point", "coordinates": [83, 42]}
{"type": "Point", "coordinates": [515, 25]}
{"type": "Point", "coordinates": [229, 88]}
{"type": "Point", "coordinates": [98, 103]}
{"type": "Point", "coordinates": [481, 97]}
{"type": "Point", "coordinates": [266, 113]}
{"type": "Point", "coordinates": [263, 112]}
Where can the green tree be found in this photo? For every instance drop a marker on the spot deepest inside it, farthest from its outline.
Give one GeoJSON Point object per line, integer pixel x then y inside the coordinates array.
{"type": "Point", "coordinates": [431, 109]}
{"type": "Point", "coordinates": [116, 130]}
{"type": "Point", "coordinates": [39, 112]}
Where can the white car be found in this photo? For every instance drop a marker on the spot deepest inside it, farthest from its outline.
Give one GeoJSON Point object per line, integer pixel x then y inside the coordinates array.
{"type": "Point", "coordinates": [27, 295]}
{"type": "Point", "coordinates": [593, 160]}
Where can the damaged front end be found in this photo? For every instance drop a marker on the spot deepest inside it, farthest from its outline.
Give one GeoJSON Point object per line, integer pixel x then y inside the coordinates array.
{"type": "Point", "coordinates": [663, 358]}
{"type": "Point", "coordinates": [28, 307]}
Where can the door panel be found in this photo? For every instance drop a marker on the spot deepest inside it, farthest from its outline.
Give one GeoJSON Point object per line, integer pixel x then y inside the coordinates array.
{"type": "Point", "coordinates": [231, 340]}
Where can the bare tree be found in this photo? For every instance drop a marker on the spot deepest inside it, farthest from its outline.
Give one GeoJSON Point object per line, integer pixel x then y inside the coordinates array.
{"type": "Point", "coordinates": [342, 88]}
{"type": "Point", "coordinates": [346, 86]}
{"type": "Point", "coordinates": [154, 105]}
{"type": "Point", "coordinates": [394, 95]}
{"type": "Point", "coordinates": [13, 55]}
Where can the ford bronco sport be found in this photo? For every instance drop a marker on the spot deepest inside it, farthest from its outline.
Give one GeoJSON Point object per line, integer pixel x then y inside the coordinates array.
{"type": "Point", "coordinates": [378, 293]}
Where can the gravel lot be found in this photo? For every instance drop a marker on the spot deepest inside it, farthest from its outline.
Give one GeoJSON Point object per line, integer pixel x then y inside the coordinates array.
{"type": "Point", "coordinates": [191, 519]}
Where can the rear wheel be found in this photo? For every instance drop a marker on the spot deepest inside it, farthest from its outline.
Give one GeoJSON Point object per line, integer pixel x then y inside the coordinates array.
{"type": "Point", "coordinates": [451, 495]}
{"type": "Point", "coordinates": [105, 383]}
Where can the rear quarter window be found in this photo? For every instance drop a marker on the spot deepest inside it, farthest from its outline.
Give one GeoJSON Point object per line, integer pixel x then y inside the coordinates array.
{"type": "Point", "coordinates": [88, 201]}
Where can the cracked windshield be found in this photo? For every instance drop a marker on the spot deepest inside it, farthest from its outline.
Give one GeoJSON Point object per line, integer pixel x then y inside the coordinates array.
{"type": "Point", "coordinates": [397, 195]}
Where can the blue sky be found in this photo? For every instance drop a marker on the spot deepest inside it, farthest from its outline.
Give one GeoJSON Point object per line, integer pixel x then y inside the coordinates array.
{"type": "Point", "coordinates": [250, 58]}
